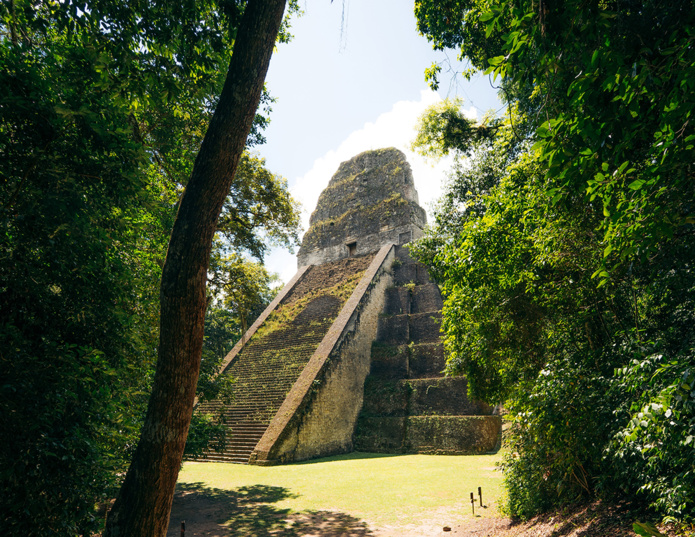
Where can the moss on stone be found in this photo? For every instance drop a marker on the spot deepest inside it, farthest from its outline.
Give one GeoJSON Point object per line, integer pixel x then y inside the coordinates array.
{"type": "Point", "coordinates": [372, 196]}
{"type": "Point", "coordinates": [356, 222]}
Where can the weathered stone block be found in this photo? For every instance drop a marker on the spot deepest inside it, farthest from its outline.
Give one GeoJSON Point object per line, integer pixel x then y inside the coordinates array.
{"type": "Point", "coordinates": [410, 274]}
{"type": "Point", "coordinates": [384, 397]}
{"type": "Point", "coordinates": [393, 329]}
{"type": "Point", "coordinates": [379, 435]}
{"type": "Point", "coordinates": [426, 298]}
{"type": "Point", "coordinates": [389, 361]}
{"type": "Point", "coordinates": [403, 256]}
{"type": "Point", "coordinates": [397, 301]}
{"type": "Point", "coordinates": [424, 327]}
{"type": "Point", "coordinates": [446, 396]}
{"type": "Point", "coordinates": [426, 360]}
{"type": "Point", "coordinates": [405, 274]}
{"type": "Point", "coordinates": [370, 201]}
{"type": "Point", "coordinates": [452, 435]}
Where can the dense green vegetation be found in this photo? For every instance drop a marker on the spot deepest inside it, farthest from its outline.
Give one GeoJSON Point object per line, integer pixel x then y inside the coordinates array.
{"type": "Point", "coordinates": [102, 111]}
{"type": "Point", "coordinates": [565, 244]}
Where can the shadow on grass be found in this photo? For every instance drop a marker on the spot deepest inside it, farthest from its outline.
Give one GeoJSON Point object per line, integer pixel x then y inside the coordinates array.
{"type": "Point", "coordinates": [355, 455]}
{"type": "Point", "coordinates": [248, 512]}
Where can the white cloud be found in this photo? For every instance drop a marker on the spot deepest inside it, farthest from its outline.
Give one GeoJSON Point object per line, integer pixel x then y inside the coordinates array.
{"type": "Point", "coordinates": [395, 128]}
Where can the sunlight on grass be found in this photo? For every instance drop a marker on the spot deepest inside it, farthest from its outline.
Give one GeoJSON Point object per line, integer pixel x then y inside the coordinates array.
{"type": "Point", "coordinates": [384, 490]}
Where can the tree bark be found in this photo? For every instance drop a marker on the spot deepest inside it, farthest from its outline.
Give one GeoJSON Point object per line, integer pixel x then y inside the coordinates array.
{"type": "Point", "coordinates": [143, 503]}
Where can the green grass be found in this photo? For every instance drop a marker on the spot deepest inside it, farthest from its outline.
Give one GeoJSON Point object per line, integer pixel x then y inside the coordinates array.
{"type": "Point", "coordinates": [383, 490]}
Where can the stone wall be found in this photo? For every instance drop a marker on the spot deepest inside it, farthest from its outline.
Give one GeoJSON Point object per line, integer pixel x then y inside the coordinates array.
{"type": "Point", "coordinates": [319, 415]}
{"type": "Point", "coordinates": [370, 201]}
{"type": "Point", "coordinates": [409, 406]}
{"type": "Point", "coordinates": [438, 435]}
{"type": "Point", "coordinates": [277, 349]}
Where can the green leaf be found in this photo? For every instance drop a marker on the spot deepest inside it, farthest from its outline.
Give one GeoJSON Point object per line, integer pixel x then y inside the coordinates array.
{"type": "Point", "coordinates": [646, 529]}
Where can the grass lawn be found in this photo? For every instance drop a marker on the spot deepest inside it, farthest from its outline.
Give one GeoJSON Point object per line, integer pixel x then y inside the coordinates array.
{"type": "Point", "coordinates": [384, 491]}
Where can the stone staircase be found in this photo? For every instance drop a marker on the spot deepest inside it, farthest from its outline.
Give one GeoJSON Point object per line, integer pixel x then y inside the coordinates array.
{"type": "Point", "coordinates": [271, 361]}
{"type": "Point", "coordinates": [409, 406]}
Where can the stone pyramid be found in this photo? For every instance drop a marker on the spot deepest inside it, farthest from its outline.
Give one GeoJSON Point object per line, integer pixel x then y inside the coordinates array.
{"type": "Point", "coordinates": [348, 355]}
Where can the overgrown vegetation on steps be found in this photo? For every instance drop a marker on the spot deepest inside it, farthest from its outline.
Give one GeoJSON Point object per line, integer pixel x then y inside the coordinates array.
{"type": "Point", "coordinates": [269, 364]}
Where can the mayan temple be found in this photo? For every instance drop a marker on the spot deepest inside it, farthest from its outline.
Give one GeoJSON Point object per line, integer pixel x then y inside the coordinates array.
{"type": "Point", "coordinates": [348, 356]}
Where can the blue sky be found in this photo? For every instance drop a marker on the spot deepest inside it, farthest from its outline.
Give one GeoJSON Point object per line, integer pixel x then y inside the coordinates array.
{"type": "Point", "coordinates": [352, 79]}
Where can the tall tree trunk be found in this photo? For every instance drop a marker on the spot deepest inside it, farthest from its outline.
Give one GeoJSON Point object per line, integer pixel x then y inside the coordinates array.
{"type": "Point", "coordinates": [143, 504]}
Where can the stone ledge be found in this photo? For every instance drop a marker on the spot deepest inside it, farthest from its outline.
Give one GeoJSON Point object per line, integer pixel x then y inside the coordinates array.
{"type": "Point", "coordinates": [443, 435]}
{"type": "Point", "coordinates": [453, 435]}
{"type": "Point", "coordinates": [301, 389]}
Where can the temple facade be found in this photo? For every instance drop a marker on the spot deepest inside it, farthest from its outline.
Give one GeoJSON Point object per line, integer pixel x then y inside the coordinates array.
{"type": "Point", "coordinates": [349, 356]}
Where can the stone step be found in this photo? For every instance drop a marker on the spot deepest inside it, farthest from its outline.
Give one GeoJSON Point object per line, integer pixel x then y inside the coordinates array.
{"type": "Point", "coordinates": [407, 361]}
{"type": "Point", "coordinates": [443, 396]}
{"type": "Point", "coordinates": [407, 328]}
{"type": "Point", "coordinates": [454, 435]}
{"type": "Point", "coordinates": [237, 446]}
{"type": "Point", "coordinates": [422, 298]}
{"type": "Point", "coordinates": [241, 459]}
{"type": "Point", "coordinates": [255, 405]}
{"type": "Point", "coordinates": [245, 434]}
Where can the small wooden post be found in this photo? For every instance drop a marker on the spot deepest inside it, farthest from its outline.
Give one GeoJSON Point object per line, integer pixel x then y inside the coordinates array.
{"type": "Point", "coordinates": [183, 528]}
{"type": "Point", "coordinates": [472, 503]}
{"type": "Point", "coordinates": [480, 493]}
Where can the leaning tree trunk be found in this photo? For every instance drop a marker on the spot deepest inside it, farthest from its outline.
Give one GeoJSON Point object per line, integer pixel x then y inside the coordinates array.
{"type": "Point", "coordinates": [143, 504]}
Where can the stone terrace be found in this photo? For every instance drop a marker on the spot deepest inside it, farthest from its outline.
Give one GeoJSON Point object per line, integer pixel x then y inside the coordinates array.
{"type": "Point", "coordinates": [409, 406]}
{"type": "Point", "coordinates": [270, 363]}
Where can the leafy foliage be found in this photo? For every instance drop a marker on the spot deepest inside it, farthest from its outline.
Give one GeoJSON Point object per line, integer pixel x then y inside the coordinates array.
{"type": "Point", "coordinates": [258, 211]}
{"type": "Point", "coordinates": [102, 111]}
{"type": "Point", "coordinates": [78, 287]}
{"type": "Point", "coordinates": [564, 246]}
{"type": "Point", "coordinates": [443, 128]}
